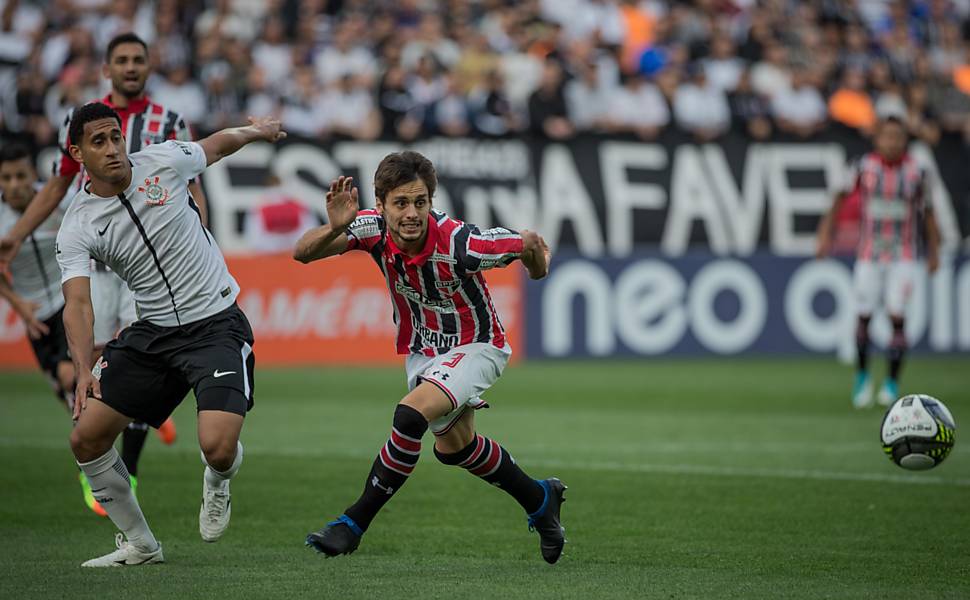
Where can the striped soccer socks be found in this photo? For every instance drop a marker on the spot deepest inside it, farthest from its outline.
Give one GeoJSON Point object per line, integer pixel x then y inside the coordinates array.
{"type": "Point", "coordinates": [392, 467]}
{"type": "Point", "coordinates": [485, 458]}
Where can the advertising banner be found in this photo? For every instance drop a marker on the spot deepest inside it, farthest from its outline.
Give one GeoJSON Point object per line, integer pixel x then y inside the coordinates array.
{"type": "Point", "coordinates": [329, 312]}
{"type": "Point", "coordinates": [699, 304]}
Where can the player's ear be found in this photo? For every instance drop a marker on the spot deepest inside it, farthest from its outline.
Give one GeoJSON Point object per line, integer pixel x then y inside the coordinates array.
{"type": "Point", "coordinates": [104, 70]}
{"type": "Point", "coordinates": [75, 152]}
{"type": "Point", "coordinates": [379, 205]}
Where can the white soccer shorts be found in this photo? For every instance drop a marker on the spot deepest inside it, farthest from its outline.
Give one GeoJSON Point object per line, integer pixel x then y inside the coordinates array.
{"type": "Point", "coordinates": [114, 305]}
{"type": "Point", "coordinates": [887, 284]}
{"type": "Point", "coordinates": [463, 374]}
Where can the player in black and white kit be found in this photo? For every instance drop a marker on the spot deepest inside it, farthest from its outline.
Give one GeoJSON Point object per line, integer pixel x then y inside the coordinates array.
{"type": "Point", "coordinates": [136, 216]}
{"type": "Point", "coordinates": [35, 292]}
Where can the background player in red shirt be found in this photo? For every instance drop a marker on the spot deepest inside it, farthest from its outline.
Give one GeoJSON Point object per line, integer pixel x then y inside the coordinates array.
{"type": "Point", "coordinates": [449, 330]}
{"type": "Point", "coordinates": [896, 222]}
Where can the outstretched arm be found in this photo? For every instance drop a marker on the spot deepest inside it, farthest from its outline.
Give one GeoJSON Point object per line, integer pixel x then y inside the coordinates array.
{"type": "Point", "coordinates": [330, 239]}
{"type": "Point", "coordinates": [79, 327]}
{"type": "Point", "coordinates": [41, 207]}
{"type": "Point", "coordinates": [223, 143]}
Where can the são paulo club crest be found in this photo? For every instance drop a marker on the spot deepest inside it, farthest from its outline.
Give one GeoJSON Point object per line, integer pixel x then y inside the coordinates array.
{"type": "Point", "coordinates": [155, 194]}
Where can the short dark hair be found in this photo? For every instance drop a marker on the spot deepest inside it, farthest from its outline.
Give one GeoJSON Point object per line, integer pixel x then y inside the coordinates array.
{"type": "Point", "coordinates": [400, 168]}
{"type": "Point", "coordinates": [124, 38]}
{"type": "Point", "coordinates": [12, 152]}
{"type": "Point", "coordinates": [87, 113]}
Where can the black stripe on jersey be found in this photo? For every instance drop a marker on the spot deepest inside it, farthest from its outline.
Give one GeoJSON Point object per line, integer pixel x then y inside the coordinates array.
{"type": "Point", "coordinates": [195, 207]}
{"type": "Point", "coordinates": [172, 116]}
{"type": "Point", "coordinates": [148, 244]}
{"type": "Point", "coordinates": [475, 296]}
{"type": "Point", "coordinates": [460, 250]}
{"type": "Point", "coordinates": [417, 316]}
{"type": "Point", "coordinates": [449, 321]}
{"type": "Point", "coordinates": [43, 271]}
{"type": "Point", "coordinates": [134, 133]}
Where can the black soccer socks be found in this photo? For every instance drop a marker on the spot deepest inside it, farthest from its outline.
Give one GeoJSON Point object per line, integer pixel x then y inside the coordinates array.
{"type": "Point", "coordinates": [490, 461]}
{"type": "Point", "coordinates": [132, 442]}
{"type": "Point", "coordinates": [897, 348]}
{"type": "Point", "coordinates": [393, 465]}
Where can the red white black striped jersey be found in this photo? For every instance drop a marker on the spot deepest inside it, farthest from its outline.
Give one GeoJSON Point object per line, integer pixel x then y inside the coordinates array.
{"type": "Point", "coordinates": [894, 201]}
{"type": "Point", "coordinates": [440, 297]}
{"type": "Point", "coordinates": [143, 123]}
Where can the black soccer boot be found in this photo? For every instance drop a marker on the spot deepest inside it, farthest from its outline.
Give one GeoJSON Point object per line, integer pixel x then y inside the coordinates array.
{"type": "Point", "coordinates": [338, 537]}
{"type": "Point", "coordinates": [552, 535]}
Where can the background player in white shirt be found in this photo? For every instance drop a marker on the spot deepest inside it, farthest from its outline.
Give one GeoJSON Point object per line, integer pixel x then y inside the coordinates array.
{"type": "Point", "coordinates": [135, 215]}
{"type": "Point", "coordinates": [897, 225]}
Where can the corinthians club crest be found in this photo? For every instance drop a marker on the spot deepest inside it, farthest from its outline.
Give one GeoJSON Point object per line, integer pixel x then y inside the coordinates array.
{"type": "Point", "coordinates": [156, 194]}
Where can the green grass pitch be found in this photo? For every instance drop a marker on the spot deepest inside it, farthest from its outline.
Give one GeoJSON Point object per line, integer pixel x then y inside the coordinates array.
{"type": "Point", "coordinates": [692, 479]}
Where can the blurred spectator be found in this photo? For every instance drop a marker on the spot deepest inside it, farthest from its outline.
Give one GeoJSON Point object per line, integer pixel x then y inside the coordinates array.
{"type": "Point", "coordinates": [272, 53]}
{"type": "Point", "coordinates": [851, 104]}
{"type": "Point", "coordinates": [547, 105]}
{"type": "Point", "coordinates": [302, 112]}
{"type": "Point", "coordinates": [920, 120]}
{"type": "Point", "coordinates": [491, 109]}
{"type": "Point", "coordinates": [771, 75]}
{"type": "Point", "coordinates": [750, 112]}
{"type": "Point", "coordinates": [221, 20]}
{"type": "Point", "coordinates": [345, 57]}
{"type": "Point", "coordinates": [398, 109]}
{"type": "Point", "coordinates": [799, 109]}
{"type": "Point", "coordinates": [701, 108]}
{"type": "Point", "coordinates": [586, 99]}
{"type": "Point", "coordinates": [348, 110]}
{"type": "Point", "coordinates": [451, 112]}
{"type": "Point", "coordinates": [638, 108]}
{"type": "Point", "coordinates": [430, 40]}
{"type": "Point", "coordinates": [723, 67]}
{"type": "Point", "coordinates": [182, 93]}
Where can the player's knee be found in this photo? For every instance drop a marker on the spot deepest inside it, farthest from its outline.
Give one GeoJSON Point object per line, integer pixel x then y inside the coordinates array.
{"type": "Point", "coordinates": [219, 452]}
{"type": "Point", "coordinates": [87, 448]}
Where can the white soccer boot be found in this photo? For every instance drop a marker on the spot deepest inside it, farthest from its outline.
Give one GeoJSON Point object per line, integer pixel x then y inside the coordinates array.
{"type": "Point", "coordinates": [126, 555]}
{"type": "Point", "coordinates": [862, 390]}
{"type": "Point", "coordinates": [215, 511]}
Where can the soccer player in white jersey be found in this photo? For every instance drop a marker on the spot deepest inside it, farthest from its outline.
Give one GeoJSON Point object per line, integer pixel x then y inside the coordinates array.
{"type": "Point", "coordinates": [143, 122]}
{"type": "Point", "coordinates": [897, 225]}
{"type": "Point", "coordinates": [35, 292]}
{"type": "Point", "coordinates": [134, 215]}
{"type": "Point", "coordinates": [449, 330]}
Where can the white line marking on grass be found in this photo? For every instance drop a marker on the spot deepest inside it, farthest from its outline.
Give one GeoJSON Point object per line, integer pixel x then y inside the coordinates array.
{"type": "Point", "coordinates": [610, 466]}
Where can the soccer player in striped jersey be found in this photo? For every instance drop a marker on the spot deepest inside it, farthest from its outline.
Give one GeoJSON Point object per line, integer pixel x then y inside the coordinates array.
{"type": "Point", "coordinates": [897, 225]}
{"type": "Point", "coordinates": [143, 122]}
{"type": "Point", "coordinates": [450, 332]}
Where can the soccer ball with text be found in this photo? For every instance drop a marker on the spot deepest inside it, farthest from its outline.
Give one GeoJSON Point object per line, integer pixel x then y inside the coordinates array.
{"type": "Point", "coordinates": [917, 432]}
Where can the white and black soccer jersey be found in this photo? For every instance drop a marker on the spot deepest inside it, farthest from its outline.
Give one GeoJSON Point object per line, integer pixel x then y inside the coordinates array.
{"type": "Point", "coordinates": [35, 272]}
{"type": "Point", "coordinates": [151, 235]}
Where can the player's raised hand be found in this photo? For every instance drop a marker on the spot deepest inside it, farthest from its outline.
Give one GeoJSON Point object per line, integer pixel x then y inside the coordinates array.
{"type": "Point", "coordinates": [342, 204]}
{"type": "Point", "coordinates": [268, 128]}
{"type": "Point", "coordinates": [87, 387]}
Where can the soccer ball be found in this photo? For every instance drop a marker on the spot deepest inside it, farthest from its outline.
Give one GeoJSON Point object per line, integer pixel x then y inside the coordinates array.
{"type": "Point", "coordinates": [917, 432]}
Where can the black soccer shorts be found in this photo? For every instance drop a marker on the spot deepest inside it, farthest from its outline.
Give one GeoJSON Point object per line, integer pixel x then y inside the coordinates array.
{"type": "Point", "coordinates": [147, 371]}
{"type": "Point", "coordinates": [51, 349]}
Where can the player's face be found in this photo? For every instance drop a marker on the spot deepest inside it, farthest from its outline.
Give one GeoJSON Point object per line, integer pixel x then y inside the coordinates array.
{"type": "Point", "coordinates": [127, 69]}
{"type": "Point", "coordinates": [890, 140]}
{"type": "Point", "coordinates": [17, 178]}
{"type": "Point", "coordinates": [102, 151]}
{"type": "Point", "coordinates": [405, 210]}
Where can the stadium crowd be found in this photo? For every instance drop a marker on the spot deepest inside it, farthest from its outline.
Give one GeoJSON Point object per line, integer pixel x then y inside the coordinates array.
{"type": "Point", "coordinates": [555, 68]}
